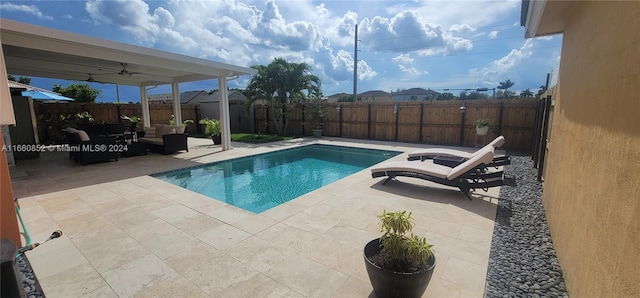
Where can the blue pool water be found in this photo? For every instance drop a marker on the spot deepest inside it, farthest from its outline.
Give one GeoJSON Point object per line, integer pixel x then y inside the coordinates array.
{"type": "Point", "coordinates": [260, 182]}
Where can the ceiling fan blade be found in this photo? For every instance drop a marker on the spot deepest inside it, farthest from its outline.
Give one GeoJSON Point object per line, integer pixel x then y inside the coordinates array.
{"type": "Point", "coordinates": [90, 79]}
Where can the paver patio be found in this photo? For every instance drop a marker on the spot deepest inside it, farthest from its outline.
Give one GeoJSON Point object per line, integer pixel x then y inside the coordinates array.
{"type": "Point", "coordinates": [128, 234]}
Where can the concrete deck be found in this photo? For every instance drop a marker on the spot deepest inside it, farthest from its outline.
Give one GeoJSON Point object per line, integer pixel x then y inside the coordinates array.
{"type": "Point", "coordinates": [127, 234]}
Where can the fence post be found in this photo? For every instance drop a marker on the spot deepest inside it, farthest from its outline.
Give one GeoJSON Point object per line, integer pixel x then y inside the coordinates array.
{"type": "Point", "coordinates": [421, 122]}
{"type": "Point", "coordinates": [340, 112]}
{"type": "Point", "coordinates": [500, 119]}
{"type": "Point", "coordinates": [255, 123]}
{"type": "Point", "coordinates": [267, 121]}
{"type": "Point", "coordinates": [536, 132]}
{"type": "Point", "coordinates": [369, 123]}
{"type": "Point", "coordinates": [463, 109]}
{"type": "Point", "coordinates": [197, 122]}
{"type": "Point", "coordinates": [119, 114]}
{"type": "Point", "coordinates": [303, 119]}
{"type": "Point", "coordinates": [396, 109]}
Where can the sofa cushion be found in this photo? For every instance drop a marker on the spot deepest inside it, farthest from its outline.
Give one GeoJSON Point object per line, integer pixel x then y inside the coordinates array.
{"type": "Point", "coordinates": [165, 129]}
{"type": "Point", "coordinates": [150, 132]}
{"type": "Point", "coordinates": [160, 129]}
{"type": "Point", "coordinates": [154, 141]}
{"type": "Point", "coordinates": [83, 135]}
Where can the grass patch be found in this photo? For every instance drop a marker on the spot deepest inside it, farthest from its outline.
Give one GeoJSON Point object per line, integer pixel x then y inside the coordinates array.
{"type": "Point", "coordinates": [257, 139]}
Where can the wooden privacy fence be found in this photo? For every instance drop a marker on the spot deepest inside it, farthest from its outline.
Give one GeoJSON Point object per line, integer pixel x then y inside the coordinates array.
{"type": "Point", "coordinates": [428, 122]}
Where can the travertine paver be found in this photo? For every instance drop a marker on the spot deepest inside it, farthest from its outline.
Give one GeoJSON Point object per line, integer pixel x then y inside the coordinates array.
{"type": "Point", "coordinates": [129, 234]}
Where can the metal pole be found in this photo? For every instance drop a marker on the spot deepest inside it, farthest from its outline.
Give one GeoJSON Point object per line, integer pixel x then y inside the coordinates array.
{"type": "Point", "coordinates": [463, 109]}
{"type": "Point", "coordinates": [355, 67]}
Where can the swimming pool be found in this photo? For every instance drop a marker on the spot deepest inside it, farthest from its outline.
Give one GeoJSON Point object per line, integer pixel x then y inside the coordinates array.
{"type": "Point", "coordinates": [259, 182]}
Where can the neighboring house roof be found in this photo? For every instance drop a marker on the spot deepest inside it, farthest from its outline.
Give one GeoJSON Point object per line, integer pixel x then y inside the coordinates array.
{"type": "Point", "coordinates": [233, 95]}
{"type": "Point", "coordinates": [374, 93]}
{"type": "Point", "coordinates": [338, 95]}
{"type": "Point", "coordinates": [188, 96]}
{"type": "Point", "coordinates": [416, 91]}
{"type": "Point", "coordinates": [17, 85]}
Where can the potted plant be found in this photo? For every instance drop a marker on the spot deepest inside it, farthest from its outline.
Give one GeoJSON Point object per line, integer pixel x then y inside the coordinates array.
{"type": "Point", "coordinates": [482, 126]}
{"type": "Point", "coordinates": [133, 121]}
{"type": "Point", "coordinates": [399, 263]}
{"type": "Point", "coordinates": [213, 129]}
{"type": "Point", "coordinates": [316, 115]}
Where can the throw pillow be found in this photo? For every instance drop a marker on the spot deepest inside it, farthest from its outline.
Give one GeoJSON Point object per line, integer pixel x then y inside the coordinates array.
{"type": "Point", "coordinates": [71, 130]}
{"type": "Point", "coordinates": [168, 129]}
{"type": "Point", "coordinates": [150, 132]}
{"type": "Point", "coordinates": [83, 135]}
{"type": "Point", "coordinates": [180, 129]}
{"type": "Point", "coordinates": [159, 130]}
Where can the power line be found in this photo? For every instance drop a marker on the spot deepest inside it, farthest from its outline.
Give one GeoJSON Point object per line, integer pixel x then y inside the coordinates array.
{"type": "Point", "coordinates": [471, 54]}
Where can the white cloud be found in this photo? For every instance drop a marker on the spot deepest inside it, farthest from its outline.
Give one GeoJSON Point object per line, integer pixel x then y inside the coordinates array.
{"type": "Point", "coordinates": [406, 32]}
{"type": "Point", "coordinates": [477, 13]}
{"type": "Point", "coordinates": [339, 67]}
{"type": "Point", "coordinates": [461, 28]}
{"type": "Point", "coordinates": [506, 63]}
{"type": "Point", "coordinates": [405, 63]}
{"type": "Point", "coordinates": [493, 34]}
{"type": "Point", "coordinates": [29, 9]}
{"type": "Point", "coordinates": [132, 16]}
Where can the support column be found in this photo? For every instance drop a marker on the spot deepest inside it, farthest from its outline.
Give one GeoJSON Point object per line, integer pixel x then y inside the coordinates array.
{"type": "Point", "coordinates": [177, 110]}
{"type": "Point", "coordinates": [223, 96]}
{"type": "Point", "coordinates": [144, 102]}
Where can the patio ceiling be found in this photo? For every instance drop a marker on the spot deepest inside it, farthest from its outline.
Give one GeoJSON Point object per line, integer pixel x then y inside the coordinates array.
{"type": "Point", "coordinates": [43, 52]}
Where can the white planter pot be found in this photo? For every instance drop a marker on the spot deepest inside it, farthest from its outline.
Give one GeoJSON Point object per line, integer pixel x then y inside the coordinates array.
{"type": "Point", "coordinates": [482, 130]}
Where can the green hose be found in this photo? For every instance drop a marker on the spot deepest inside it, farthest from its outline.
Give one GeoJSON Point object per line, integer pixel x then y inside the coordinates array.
{"type": "Point", "coordinates": [24, 227]}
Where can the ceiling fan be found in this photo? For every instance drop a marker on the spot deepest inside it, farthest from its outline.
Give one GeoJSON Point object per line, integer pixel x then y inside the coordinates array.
{"type": "Point", "coordinates": [90, 79]}
{"type": "Point", "coordinates": [125, 72]}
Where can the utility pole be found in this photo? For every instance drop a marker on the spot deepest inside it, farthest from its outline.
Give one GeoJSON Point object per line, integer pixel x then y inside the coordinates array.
{"type": "Point", "coordinates": [355, 67]}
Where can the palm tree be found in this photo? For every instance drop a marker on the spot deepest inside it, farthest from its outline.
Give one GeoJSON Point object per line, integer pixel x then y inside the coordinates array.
{"type": "Point", "coordinates": [526, 93]}
{"type": "Point", "coordinates": [506, 84]}
{"type": "Point", "coordinates": [282, 82]}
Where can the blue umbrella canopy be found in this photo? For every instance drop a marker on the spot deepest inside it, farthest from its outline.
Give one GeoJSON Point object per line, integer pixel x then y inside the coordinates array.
{"type": "Point", "coordinates": [40, 95]}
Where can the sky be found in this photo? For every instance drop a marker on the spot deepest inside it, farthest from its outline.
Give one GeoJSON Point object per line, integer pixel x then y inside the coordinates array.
{"type": "Point", "coordinates": [432, 44]}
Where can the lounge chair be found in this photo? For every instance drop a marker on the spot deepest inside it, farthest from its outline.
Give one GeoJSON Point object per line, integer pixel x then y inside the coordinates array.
{"type": "Point", "coordinates": [467, 176]}
{"type": "Point", "coordinates": [452, 157]}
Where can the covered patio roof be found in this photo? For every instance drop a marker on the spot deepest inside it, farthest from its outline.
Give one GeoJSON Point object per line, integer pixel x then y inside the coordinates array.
{"type": "Point", "coordinates": [43, 52]}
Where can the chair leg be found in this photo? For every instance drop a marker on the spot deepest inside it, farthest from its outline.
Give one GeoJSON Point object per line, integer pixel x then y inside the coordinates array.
{"type": "Point", "coordinates": [387, 180]}
{"type": "Point", "coordinates": [465, 191]}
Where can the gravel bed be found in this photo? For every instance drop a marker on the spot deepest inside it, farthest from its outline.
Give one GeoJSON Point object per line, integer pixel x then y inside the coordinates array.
{"type": "Point", "coordinates": [523, 262]}
{"type": "Point", "coordinates": [29, 282]}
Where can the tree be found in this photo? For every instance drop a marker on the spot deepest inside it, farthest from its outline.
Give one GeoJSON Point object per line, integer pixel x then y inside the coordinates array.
{"type": "Point", "coordinates": [473, 95]}
{"type": "Point", "coordinates": [506, 85]}
{"type": "Point", "coordinates": [526, 93]}
{"type": "Point", "coordinates": [21, 80]}
{"type": "Point", "coordinates": [346, 98]}
{"type": "Point", "coordinates": [445, 96]}
{"type": "Point", "coordinates": [282, 82]}
{"type": "Point", "coordinates": [80, 92]}
{"type": "Point", "coordinates": [505, 94]}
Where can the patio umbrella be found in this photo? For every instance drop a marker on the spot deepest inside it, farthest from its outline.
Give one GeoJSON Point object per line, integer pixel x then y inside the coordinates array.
{"type": "Point", "coordinates": [40, 95]}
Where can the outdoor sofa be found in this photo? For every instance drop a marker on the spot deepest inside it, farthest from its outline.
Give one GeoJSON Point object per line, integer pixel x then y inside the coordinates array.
{"type": "Point", "coordinates": [85, 150]}
{"type": "Point", "coordinates": [165, 139]}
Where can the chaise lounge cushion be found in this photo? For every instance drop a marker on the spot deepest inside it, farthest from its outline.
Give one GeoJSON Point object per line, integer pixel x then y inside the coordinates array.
{"type": "Point", "coordinates": [429, 153]}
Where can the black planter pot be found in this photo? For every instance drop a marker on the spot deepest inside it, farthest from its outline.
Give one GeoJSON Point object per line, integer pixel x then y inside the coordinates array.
{"type": "Point", "coordinates": [395, 284]}
{"type": "Point", "coordinates": [217, 139]}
